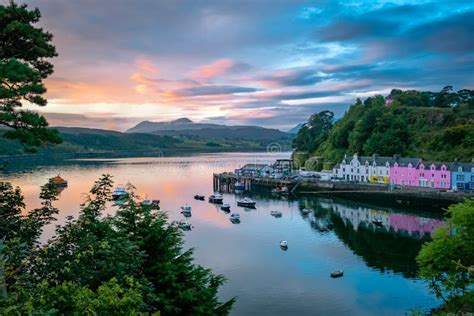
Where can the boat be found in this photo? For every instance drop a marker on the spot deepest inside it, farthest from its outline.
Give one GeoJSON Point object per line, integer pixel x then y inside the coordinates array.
{"type": "Point", "coordinates": [186, 208]}
{"type": "Point", "coordinates": [284, 244]}
{"type": "Point", "coordinates": [276, 190]}
{"type": "Point", "coordinates": [225, 207]}
{"type": "Point", "coordinates": [216, 198]}
{"type": "Point", "coordinates": [146, 202]}
{"type": "Point", "coordinates": [239, 187]}
{"type": "Point", "coordinates": [235, 216]}
{"type": "Point", "coordinates": [285, 190]}
{"type": "Point", "coordinates": [246, 202]}
{"type": "Point", "coordinates": [155, 204]}
{"type": "Point", "coordinates": [184, 225]}
{"type": "Point", "coordinates": [276, 214]}
{"type": "Point", "coordinates": [306, 211]}
{"type": "Point", "coordinates": [337, 274]}
{"type": "Point", "coordinates": [119, 193]}
{"type": "Point", "coordinates": [199, 197]}
{"type": "Point", "coordinates": [59, 182]}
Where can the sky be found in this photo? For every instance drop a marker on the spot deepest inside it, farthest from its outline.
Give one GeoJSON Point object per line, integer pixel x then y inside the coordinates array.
{"type": "Point", "coordinates": [246, 62]}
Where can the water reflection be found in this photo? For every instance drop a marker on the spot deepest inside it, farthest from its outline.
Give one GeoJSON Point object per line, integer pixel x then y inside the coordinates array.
{"type": "Point", "coordinates": [378, 259]}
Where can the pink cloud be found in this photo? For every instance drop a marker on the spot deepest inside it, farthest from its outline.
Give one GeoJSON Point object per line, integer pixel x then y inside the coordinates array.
{"type": "Point", "coordinates": [217, 69]}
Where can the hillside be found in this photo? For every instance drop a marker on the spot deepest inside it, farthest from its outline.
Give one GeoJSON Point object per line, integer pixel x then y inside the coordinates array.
{"type": "Point", "coordinates": [186, 127]}
{"type": "Point", "coordinates": [433, 126]}
{"type": "Point", "coordinates": [86, 140]}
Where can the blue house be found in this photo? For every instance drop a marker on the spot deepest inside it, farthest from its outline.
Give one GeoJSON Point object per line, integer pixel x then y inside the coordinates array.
{"type": "Point", "coordinates": [462, 176]}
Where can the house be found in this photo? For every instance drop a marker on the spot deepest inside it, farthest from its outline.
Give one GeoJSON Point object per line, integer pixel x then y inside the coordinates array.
{"type": "Point", "coordinates": [403, 171]}
{"type": "Point", "coordinates": [462, 176]}
{"type": "Point", "coordinates": [373, 169]}
{"type": "Point", "coordinates": [254, 170]}
{"type": "Point", "coordinates": [283, 166]}
{"type": "Point", "coordinates": [415, 173]}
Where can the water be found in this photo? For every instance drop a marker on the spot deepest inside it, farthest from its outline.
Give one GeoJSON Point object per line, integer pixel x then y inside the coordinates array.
{"type": "Point", "coordinates": [378, 262]}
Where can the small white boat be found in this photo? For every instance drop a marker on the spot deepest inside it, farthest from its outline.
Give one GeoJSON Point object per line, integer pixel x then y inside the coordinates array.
{"type": "Point", "coordinates": [285, 190]}
{"type": "Point", "coordinates": [306, 211]}
{"type": "Point", "coordinates": [276, 190]}
{"type": "Point", "coordinates": [284, 244]}
{"type": "Point", "coordinates": [235, 216]}
{"type": "Point", "coordinates": [225, 207]}
{"type": "Point", "coordinates": [377, 222]}
{"type": "Point", "coordinates": [337, 274]}
{"type": "Point", "coordinates": [147, 202]}
{"type": "Point", "coordinates": [186, 208]}
{"type": "Point", "coordinates": [184, 225]}
{"type": "Point", "coordinates": [239, 187]}
{"type": "Point", "coordinates": [119, 193]}
{"type": "Point", "coordinates": [216, 198]}
{"type": "Point", "coordinates": [246, 202]}
{"type": "Point", "coordinates": [276, 214]}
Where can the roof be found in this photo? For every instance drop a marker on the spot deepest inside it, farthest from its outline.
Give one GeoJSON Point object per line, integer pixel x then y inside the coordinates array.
{"type": "Point", "coordinates": [254, 166]}
{"type": "Point", "coordinates": [454, 166]}
{"type": "Point", "coordinates": [378, 160]}
{"type": "Point", "coordinates": [403, 162]}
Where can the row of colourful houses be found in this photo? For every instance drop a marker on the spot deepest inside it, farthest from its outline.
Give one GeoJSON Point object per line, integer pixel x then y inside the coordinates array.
{"type": "Point", "coordinates": [412, 172]}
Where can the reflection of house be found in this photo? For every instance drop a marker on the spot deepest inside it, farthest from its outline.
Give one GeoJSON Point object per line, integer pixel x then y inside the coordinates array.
{"type": "Point", "coordinates": [254, 170]}
{"type": "Point", "coordinates": [462, 176]}
{"type": "Point", "coordinates": [399, 223]}
{"type": "Point", "coordinates": [413, 224]}
{"type": "Point", "coordinates": [419, 174]}
{"type": "Point", "coordinates": [373, 169]}
{"type": "Point", "coordinates": [283, 166]}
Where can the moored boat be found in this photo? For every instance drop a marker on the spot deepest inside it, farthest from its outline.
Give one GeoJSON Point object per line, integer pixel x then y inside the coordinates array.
{"type": "Point", "coordinates": [246, 202]}
{"type": "Point", "coordinates": [276, 214]}
{"type": "Point", "coordinates": [216, 198]}
{"type": "Point", "coordinates": [119, 193]}
{"type": "Point", "coordinates": [306, 211]}
{"type": "Point", "coordinates": [184, 225]}
{"type": "Point", "coordinates": [239, 187]}
{"type": "Point", "coordinates": [186, 208]}
{"type": "Point", "coordinates": [59, 182]}
{"type": "Point", "coordinates": [199, 197]}
{"type": "Point", "coordinates": [337, 274]}
{"type": "Point", "coordinates": [284, 244]}
{"type": "Point", "coordinates": [377, 222]}
{"type": "Point", "coordinates": [225, 207]}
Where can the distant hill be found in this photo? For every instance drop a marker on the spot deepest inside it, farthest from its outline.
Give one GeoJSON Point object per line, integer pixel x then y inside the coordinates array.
{"type": "Point", "coordinates": [296, 129]}
{"type": "Point", "coordinates": [435, 126]}
{"type": "Point", "coordinates": [88, 140]}
{"type": "Point", "coordinates": [186, 127]}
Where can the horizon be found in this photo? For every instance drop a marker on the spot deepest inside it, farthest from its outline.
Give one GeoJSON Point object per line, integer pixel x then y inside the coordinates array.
{"type": "Point", "coordinates": [246, 63]}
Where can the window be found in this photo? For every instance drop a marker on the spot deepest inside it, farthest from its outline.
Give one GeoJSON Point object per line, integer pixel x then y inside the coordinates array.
{"type": "Point", "coordinates": [432, 175]}
{"type": "Point", "coordinates": [396, 172]}
{"type": "Point", "coordinates": [422, 175]}
{"type": "Point", "coordinates": [443, 176]}
{"type": "Point", "coordinates": [409, 174]}
{"type": "Point", "coordinates": [358, 171]}
{"type": "Point", "coordinates": [460, 177]}
{"type": "Point", "coordinates": [460, 169]}
{"type": "Point", "coordinates": [366, 171]}
{"type": "Point", "coordinates": [443, 184]}
{"type": "Point", "coordinates": [343, 169]}
{"type": "Point", "coordinates": [472, 178]}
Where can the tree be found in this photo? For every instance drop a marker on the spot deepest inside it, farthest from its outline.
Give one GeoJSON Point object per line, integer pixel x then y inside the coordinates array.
{"type": "Point", "coordinates": [126, 264]}
{"type": "Point", "coordinates": [447, 262]}
{"type": "Point", "coordinates": [24, 53]}
{"type": "Point", "coordinates": [315, 132]}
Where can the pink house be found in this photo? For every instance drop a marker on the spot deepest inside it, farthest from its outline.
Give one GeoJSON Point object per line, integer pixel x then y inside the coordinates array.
{"type": "Point", "coordinates": [415, 173]}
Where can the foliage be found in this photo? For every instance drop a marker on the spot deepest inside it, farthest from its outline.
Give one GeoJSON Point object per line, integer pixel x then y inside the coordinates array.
{"type": "Point", "coordinates": [129, 263]}
{"type": "Point", "coordinates": [315, 132]}
{"type": "Point", "coordinates": [24, 52]}
{"type": "Point", "coordinates": [447, 262]}
{"type": "Point", "coordinates": [433, 126]}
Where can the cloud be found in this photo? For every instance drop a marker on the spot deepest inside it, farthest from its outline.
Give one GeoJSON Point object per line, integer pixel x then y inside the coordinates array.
{"type": "Point", "coordinates": [218, 68]}
{"type": "Point", "coordinates": [233, 59]}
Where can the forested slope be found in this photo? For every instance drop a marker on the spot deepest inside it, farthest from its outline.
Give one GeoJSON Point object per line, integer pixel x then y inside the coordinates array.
{"type": "Point", "coordinates": [434, 126]}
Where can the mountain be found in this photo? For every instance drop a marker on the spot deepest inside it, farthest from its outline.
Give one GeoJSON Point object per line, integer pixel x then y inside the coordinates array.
{"type": "Point", "coordinates": [188, 128]}
{"type": "Point", "coordinates": [296, 129]}
{"type": "Point", "coordinates": [435, 126]}
{"type": "Point", "coordinates": [97, 141]}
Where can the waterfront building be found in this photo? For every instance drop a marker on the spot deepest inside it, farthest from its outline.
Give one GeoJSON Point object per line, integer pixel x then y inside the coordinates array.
{"type": "Point", "coordinates": [374, 169]}
{"type": "Point", "coordinates": [255, 170]}
{"type": "Point", "coordinates": [415, 173]}
{"type": "Point", "coordinates": [462, 176]}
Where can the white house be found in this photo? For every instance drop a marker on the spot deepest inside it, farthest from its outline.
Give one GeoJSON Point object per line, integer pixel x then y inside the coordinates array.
{"type": "Point", "coordinates": [373, 169]}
